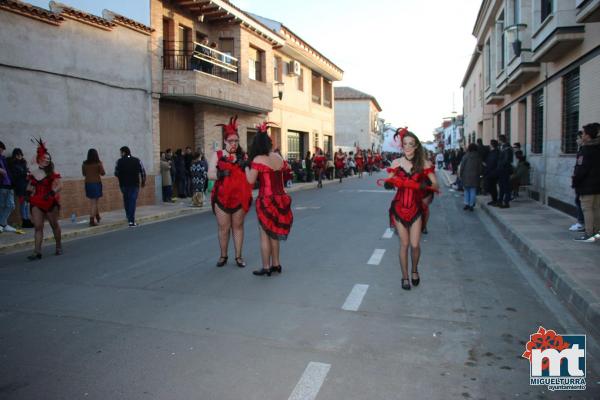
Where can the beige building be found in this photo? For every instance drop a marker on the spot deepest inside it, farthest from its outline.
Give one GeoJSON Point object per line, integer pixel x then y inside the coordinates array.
{"type": "Point", "coordinates": [534, 78]}
{"type": "Point", "coordinates": [305, 111]}
{"type": "Point", "coordinates": [253, 61]}
{"type": "Point", "coordinates": [357, 120]}
{"type": "Point", "coordinates": [59, 80]}
{"type": "Point", "coordinates": [197, 86]}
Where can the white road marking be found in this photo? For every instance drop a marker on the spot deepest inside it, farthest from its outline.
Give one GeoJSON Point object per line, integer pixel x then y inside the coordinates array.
{"type": "Point", "coordinates": [311, 381]}
{"type": "Point", "coordinates": [376, 257]}
{"type": "Point", "coordinates": [355, 297]}
{"type": "Point", "coordinates": [388, 234]}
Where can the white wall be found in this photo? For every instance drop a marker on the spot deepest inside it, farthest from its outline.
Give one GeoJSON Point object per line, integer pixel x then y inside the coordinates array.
{"type": "Point", "coordinates": [352, 123]}
{"type": "Point", "coordinates": [78, 87]}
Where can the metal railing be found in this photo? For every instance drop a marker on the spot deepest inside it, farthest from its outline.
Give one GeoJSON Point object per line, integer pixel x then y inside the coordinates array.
{"type": "Point", "coordinates": [200, 58]}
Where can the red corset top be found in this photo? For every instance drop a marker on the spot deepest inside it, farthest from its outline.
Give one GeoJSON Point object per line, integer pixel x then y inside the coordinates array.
{"type": "Point", "coordinates": [270, 181]}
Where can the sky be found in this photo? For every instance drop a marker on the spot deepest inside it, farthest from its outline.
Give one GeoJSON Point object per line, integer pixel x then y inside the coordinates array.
{"type": "Point", "coordinates": [410, 54]}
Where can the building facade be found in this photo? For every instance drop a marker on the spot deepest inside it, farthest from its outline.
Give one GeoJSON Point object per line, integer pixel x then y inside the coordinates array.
{"type": "Point", "coordinates": [357, 120]}
{"type": "Point", "coordinates": [55, 84]}
{"type": "Point", "coordinates": [305, 111]}
{"type": "Point", "coordinates": [539, 63]}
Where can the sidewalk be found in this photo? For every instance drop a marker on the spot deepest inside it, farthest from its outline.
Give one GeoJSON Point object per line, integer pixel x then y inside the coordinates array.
{"type": "Point", "coordinates": [541, 235]}
{"type": "Point", "coordinates": [113, 220]}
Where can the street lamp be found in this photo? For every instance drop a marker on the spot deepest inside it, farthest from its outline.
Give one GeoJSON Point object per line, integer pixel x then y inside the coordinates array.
{"type": "Point", "coordinates": [279, 86]}
{"type": "Point", "coordinates": [512, 35]}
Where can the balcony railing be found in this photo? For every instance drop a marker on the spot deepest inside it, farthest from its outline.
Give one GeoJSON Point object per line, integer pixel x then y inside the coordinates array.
{"type": "Point", "coordinates": [201, 58]}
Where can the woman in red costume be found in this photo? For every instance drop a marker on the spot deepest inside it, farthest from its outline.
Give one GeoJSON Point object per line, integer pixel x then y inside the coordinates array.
{"type": "Point", "coordinates": [319, 164]}
{"type": "Point", "coordinates": [360, 162]}
{"type": "Point", "coordinates": [340, 163]}
{"type": "Point", "coordinates": [231, 195]}
{"type": "Point", "coordinates": [409, 174]}
{"type": "Point", "coordinates": [273, 205]}
{"type": "Point", "coordinates": [370, 162]}
{"type": "Point", "coordinates": [378, 160]}
{"type": "Point", "coordinates": [44, 186]}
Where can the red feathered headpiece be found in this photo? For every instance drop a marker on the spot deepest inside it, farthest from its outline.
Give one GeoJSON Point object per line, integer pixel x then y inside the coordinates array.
{"type": "Point", "coordinates": [264, 127]}
{"type": "Point", "coordinates": [401, 132]}
{"type": "Point", "coordinates": [42, 150]}
{"type": "Point", "coordinates": [231, 129]}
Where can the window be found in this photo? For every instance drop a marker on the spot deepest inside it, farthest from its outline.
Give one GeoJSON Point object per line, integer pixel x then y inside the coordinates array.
{"type": "Point", "coordinates": [316, 88]}
{"type": "Point", "coordinates": [488, 65]}
{"type": "Point", "coordinates": [537, 122]}
{"type": "Point", "coordinates": [570, 112]}
{"type": "Point", "coordinates": [500, 43]}
{"type": "Point", "coordinates": [226, 46]}
{"type": "Point", "coordinates": [301, 80]}
{"type": "Point", "coordinates": [316, 140]}
{"type": "Point", "coordinates": [277, 69]}
{"type": "Point", "coordinates": [293, 139]}
{"type": "Point", "coordinates": [327, 89]}
{"type": "Point", "coordinates": [327, 144]}
{"type": "Point", "coordinates": [184, 46]}
{"type": "Point", "coordinates": [255, 64]}
{"type": "Point", "coordinates": [498, 125]}
{"type": "Point", "coordinates": [507, 122]}
{"type": "Point", "coordinates": [546, 9]}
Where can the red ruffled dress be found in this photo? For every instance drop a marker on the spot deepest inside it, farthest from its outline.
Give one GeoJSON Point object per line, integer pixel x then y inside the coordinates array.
{"type": "Point", "coordinates": [360, 163]}
{"type": "Point", "coordinates": [41, 198]}
{"type": "Point", "coordinates": [232, 192]}
{"type": "Point", "coordinates": [407, 205]}
{"type": "Point", "coordinates": [273, 205]}
{"type": "Point", "coordinates": [319, 162]}
{"type": "Point", "coordinates": [339, 162]}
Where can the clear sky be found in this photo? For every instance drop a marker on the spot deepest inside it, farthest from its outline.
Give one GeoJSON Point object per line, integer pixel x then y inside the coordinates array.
{"type": "Point", "coordinates": [410, 54]}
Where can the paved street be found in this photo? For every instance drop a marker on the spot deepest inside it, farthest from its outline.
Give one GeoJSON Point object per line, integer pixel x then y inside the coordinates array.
{"type": "Point", "coordinates": [144, 314]}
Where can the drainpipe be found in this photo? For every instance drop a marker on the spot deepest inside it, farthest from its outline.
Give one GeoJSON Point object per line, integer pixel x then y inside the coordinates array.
{"type": "Point", "coordinates": [544, 197]}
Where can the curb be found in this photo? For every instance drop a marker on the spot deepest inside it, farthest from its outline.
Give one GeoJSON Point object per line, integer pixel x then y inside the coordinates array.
{"type": "Point", "coordinates": [113, 226]}
{"type": "Point", "coordinates": [584, 306]}
{"type": "Point", "coordinates": [105, 227]}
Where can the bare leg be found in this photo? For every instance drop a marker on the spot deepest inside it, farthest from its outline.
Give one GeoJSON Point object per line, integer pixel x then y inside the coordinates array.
{"type": "Point", "coordinates": [265, 248]}
{"type": "Point", "coordinates": [224, 223]}
{"type": "Point", "coordinates": [237, 225]}
{"type": "Point", "coordinates": [37, 217]}
{"type": "Point", "coordinates": [275, 252]}
{"type": "Point", "coordinates": [404, 242]}
{"type": "Point", "coordinates": [53, 220]}
{"type": "Point", "coordinates": [415, 247]}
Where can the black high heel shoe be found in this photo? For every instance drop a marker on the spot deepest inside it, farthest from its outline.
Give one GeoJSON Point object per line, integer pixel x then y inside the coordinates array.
{"type": "Point", "coordinates": [222, 261]}
{"type": "Point", "coordinates": [35, 256]}
{"type": "Point", "coordinates": [240, 262]}
{"type": "Point", "coordinates": [415, 282]}
{"type": "Point", "coordinates": [276, 268]}
{"type": "Point", "coordinates": [405, 286]}
{"type": "Point", "coordinates": [262, 271]}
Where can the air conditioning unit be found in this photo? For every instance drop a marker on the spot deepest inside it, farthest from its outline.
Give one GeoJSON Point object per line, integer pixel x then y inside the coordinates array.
{"type": "Point", "coordinates": [294, 68]}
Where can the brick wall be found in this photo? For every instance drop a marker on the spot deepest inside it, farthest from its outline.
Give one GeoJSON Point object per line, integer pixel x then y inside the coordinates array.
{"type": "Point", "coordinates": [73, 198]}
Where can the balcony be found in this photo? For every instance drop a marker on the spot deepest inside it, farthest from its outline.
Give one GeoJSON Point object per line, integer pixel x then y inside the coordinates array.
{"type": "Point", "coordinates": [202, 58]}
{"type": "Point", "coordinates": [492, 97]}
{"type": "Point", "coordinates": [588, 11]}
{"type": "Point", "coordinates": [556, 35]}
{"type": "Point", "coordinates": [205, 75]}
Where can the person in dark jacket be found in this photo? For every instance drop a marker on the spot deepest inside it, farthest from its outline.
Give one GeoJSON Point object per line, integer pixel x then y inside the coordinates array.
{"type": "Point", "coordinates": [520, 177]}
{"type": "Point", "coordinates": [131, 174]}
{"type": "Point", "coordinates": [469, 171]}
{"type": "Point", "coordinates": [7, 196]}
{"type": "Point", "coordinates": [586, 181]}
{"type": "Point", "coordinates": [17, 166]}
{"type": "Point", "coordinates": [179, 165]}
{"type": "Point", "coordinates": [490, 172]}
{"type": "Point", "coordinates": [188, 158]}
{"type": "Point", "coordinates": [504, 170]}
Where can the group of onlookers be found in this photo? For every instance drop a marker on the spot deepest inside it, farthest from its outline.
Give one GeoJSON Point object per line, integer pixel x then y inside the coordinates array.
{"type": "Point", "coordinates": [184, 174]}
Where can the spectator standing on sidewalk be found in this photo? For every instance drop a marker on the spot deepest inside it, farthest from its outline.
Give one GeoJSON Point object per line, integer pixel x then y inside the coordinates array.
{"type": "Point", "coordinates": [505, 169]}
{"type": "Point", "coordinates": [520, 177]}
{"type": "Point", "coordinates": [578, 226]}
{"type": "Point", "coordinates": [131, 174]}
{"type": "Point", "coordinates": [308, 166]}
{"type": "Point", "coordinates": [92, 169]}
{"type": "Point", "coordinates": [469, 171]}
{"type": "Point", "coordinates": [439, 159]}
{"type": "Point", "coordinates": [167, 182]}
{"type": "Point", "coordinates": [199, 171]}
{"type": "Point", "coordinates": [179, 163]}
{"type": "Point", "coordinates": [188, 158]}
{"type": "Point", "coordinates": [490, 172]}
{"type": "Point", "coordinates": [586, 181]}
{"type": "Point", "coordinates": [18, 172]}
{"type": "Point", "coordinates": [7, 196]}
